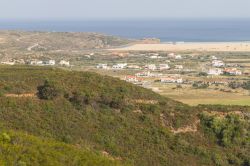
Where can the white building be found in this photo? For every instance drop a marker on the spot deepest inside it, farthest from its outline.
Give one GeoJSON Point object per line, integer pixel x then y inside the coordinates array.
{"type": "Point", "coordinates": [232, 71]}
{"type": "Point", "coordinates": [164, 67]}
{"type": "Point", "coordinates": [36, 62]}
{"type": "Point", "coordinates": [153, 57]}
{"type": "Point", "coordinates": [154, 54]}
{"type": "Point", "coordinates": [39, 62]}
{"type": "Point", "coordinates": [64, 63]}
{"type": "Point", "coordinates": [156, 74]}
{"type": "Point", "coordinates": [102, 66]}
{"type": "Point", "coordinates": [119, 66]}
{"type": "Point", "coordinates": [215, 72]}
{"type": "Point", "coordinates": [171, 80]}
{"type": "Point", "coordinates": [133, 79]}
{"type": "Point", "coordinates": [173, 56]}
{"type": "Point", "coordinates": [151, 67]}
{"type": "Point", "coordinates": [218, 63]}
{"type": "Point", "coordinates": [214, 58]}
{"type": "Point", "coordinates": [134, 67]}
{"type": "Point", "coordinates": [179, 67]}
{"type": "Point", "coordinates": [88, 56]}
{"type": "Point", "coordinates": [143, 74]}
{"type": "Point", "coordinates": [178, 57]}
{"type": "Point", "coordinates": [50, 62]}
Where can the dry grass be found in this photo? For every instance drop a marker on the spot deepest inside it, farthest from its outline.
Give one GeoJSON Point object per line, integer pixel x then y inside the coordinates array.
{"type": "Point", "coordinates": [194, 97]}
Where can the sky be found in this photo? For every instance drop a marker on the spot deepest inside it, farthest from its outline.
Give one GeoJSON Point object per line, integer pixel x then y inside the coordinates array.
{"type": "Point", "coordinates": [122, 9]}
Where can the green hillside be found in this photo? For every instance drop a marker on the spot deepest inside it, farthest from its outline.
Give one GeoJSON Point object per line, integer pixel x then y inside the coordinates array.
{"type": "Point", "coordinates": [22, 149]}
{"type": "Point", "coordinates": [129, 124]}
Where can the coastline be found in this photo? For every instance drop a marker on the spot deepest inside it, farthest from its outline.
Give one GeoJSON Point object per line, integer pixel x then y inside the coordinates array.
{"type": "Point", "coordinates": [243, 46]}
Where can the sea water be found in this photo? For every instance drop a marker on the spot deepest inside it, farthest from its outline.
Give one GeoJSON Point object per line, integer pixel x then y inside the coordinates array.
{"type": "Point", "coordinates": [186, 30]}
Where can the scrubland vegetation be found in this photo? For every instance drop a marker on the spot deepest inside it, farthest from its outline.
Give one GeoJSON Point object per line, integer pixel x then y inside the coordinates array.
{"type": "Point", "coordinates": [56, 117]}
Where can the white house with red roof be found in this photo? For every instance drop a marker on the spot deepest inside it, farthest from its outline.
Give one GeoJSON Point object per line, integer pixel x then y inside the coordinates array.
{"type": "Point", "coordinates": [232, 71]}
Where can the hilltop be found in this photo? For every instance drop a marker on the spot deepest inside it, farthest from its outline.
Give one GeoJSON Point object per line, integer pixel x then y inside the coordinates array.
{"type": "Point", "coordinates": [21, 45]}
{"type": "Point", "coordinates": [113, 121]}
{"type": "Point", "coordinates": [48, 41]}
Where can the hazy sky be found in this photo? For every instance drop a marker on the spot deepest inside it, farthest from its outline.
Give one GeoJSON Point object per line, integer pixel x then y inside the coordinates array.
{"type": "Point", "coordinates": [123, 9]}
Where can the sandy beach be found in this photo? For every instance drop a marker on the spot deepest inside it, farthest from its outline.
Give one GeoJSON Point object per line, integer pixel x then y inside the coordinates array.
{"type": "Point", "coordinates": [213, 46]}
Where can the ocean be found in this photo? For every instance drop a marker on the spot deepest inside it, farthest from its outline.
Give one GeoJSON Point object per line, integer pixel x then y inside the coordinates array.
{"type": "Point", "coordinates": [221, 30]}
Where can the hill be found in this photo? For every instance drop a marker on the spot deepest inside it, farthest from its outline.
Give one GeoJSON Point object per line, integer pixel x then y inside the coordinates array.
{"type": "Point", "coordinates": [23, 149]}
{"type": "Point", "coordinates": [48, 41]}
{"type": "Point", "coordinates": [129, 124]}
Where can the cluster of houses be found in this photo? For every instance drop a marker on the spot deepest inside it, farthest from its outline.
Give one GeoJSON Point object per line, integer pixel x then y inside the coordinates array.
{"type": "Point", "coordinates": [40, 62]}
{"type": "Point", "coordinates": [170, 56]}
{"type": "Point", "coordinates": [48, 63]}
{"type": "Point", "coordinates": [226, 71]}
{"type": "Point", "coordinates": [151, 67]}
{"type": "Point", "coordinates": [155, 67]}
{"type": "Point", "coordinates": [232, 71]}
{"type": "Point", "coordinates": [166, 79]}
{"type": "Point", "coordinates": [118, 66]}
{"type": "Point", "coordinates": [36, 62]}
{"type": "Point", "coordinates": [219, 68]}
{"type": "Point", "coordinates": [218, 63]}
{"type": "Point", "coordinates": [134, 79]}
{"type": "Point", "coordinates": [138, 78]}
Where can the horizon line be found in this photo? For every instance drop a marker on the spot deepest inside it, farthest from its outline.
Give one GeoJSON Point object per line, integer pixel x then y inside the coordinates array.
{"type": "Point", "coordinates": [124, 19]}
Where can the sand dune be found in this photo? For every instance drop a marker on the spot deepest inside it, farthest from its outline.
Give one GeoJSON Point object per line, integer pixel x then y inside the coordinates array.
{"type": "Point", "coordinates": [215, 46]}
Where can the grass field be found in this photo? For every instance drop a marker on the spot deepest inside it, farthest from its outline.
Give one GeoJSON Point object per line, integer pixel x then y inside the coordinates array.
{"type": "Point", "coordinates": [194, 97]}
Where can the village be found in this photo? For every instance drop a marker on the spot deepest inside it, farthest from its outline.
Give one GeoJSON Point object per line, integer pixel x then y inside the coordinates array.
{"type": "Point", "coordinates": [189, 77]}
{"type": "Point", "coordinates": [170, 72]}
{"type": "Point", "coordinates": [183, 76]}
{"type": "Point", "coordinates": [36, 62]}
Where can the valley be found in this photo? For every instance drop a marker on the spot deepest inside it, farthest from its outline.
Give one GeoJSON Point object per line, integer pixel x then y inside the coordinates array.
{"type": "Point", "coordinates": [190, 76]}
{"type": "Point", "coordinates": [80, 103]}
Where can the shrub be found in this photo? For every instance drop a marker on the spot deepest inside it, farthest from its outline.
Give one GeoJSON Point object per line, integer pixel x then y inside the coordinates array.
{"type": "Point", "coordinates": [178, 86]}
{"type": "Point", "coordinates": [199, 85]}
{"type": "Point", "coordinates": [47, 91]}
{"type": "Point", "coordinates": [234, 85]}
{"type": "Point", "coordinates": [79, 99]}
{"type": "Point", "coordinates": [203, 74]}
{"type": "Point", "coordinates": [228, 130]}
{"type": "Point", "coordinates": [4, 137]}
{"type": "Point", "coordinates": [246, 85]}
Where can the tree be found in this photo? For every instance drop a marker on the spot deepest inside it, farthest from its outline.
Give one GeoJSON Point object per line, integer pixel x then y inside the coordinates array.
{"type": "Point", "coordinates": [228, 130]}
{"type": "Point", "coordinates": [203, 74]}
{"type": "Point", "coordinates": [234, 85]}
{"type": "Point", "coordinates": [246, 85]}
{"type": "Point", "coordinates": [47, 91]}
